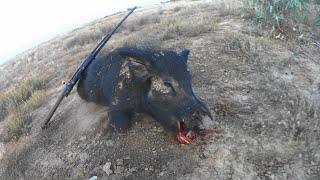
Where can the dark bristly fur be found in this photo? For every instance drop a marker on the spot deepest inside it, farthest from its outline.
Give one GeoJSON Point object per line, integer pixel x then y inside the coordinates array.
{"type": "Point", "coordinates": [131, 80]}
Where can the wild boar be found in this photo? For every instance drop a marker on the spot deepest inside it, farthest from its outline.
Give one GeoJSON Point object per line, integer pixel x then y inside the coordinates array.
{"type": "Point", "coordinates": [156, 82]}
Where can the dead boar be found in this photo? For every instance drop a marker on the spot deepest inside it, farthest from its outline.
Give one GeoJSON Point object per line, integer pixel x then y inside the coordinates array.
{"type": "Point", "coordinates": [156, 82]}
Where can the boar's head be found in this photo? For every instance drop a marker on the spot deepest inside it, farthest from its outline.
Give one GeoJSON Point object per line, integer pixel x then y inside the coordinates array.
{"type": "Point", "coordinates": [169, 97]}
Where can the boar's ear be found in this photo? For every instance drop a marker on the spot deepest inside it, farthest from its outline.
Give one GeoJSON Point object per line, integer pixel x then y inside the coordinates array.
{"type": "Point", "coordinates": [139, 61]}
{"type": "Point", "coordinates": [136, 55]}
{"type": "Point", "coordinates": [139, 70]}
{"type": "Point", "coordinates": [185, 53]}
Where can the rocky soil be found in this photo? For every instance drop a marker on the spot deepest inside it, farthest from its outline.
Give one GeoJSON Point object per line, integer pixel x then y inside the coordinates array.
{"type": "Point", "coordinates": [263, 92]}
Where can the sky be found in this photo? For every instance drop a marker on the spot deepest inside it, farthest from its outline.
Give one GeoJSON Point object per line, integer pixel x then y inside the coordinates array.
{"type": "Point", "coordinates": [24, 24]}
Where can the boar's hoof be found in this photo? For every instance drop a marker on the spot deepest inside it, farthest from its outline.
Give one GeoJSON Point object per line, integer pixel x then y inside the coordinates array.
{"type": "Point", "coordinates": [120, 121]}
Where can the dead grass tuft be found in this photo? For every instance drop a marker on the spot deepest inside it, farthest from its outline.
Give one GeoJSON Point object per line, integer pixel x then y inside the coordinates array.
{"type": "Point", "coordinates": [228, 8]}
{"type": "Point", "coordinates": [35, 101]}
{"type": "Point", "coordinates": [3, 106]}
{"type": "Point", "coordinates": [188, 28]}
{"type": "Point", "coordinates": [19, 104]}
{"type": "Point", "coordinates": [142, 21]}
{"type": "Point", "coordinates": [177, 9]}
{"type": "Point", "coordinates": [25, 89]}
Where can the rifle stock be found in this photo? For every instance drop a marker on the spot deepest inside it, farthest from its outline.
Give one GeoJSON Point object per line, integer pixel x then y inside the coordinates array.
{"type": "Point", "coordinates": [75, 77]}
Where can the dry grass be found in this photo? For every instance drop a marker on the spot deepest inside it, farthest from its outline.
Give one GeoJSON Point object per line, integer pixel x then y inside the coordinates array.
{"type": "Point", "coordinates": [25, 89]}
{"type": "Point", "coordinates": [60, 57]}
{"type": "Point", "coordinates": [19, 104]}
{"type": "Point", "coordinates": [35, 101]}
{"type": "Point", "coordinates": [3, 106]}
{"type": "Point", "coordinates": [188, 28]}
{"type": "Point", "coordinates": [228, 8]}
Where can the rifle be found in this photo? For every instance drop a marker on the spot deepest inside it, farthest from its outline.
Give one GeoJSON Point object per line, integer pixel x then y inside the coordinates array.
{"type": "Point", "coordinates": [75, 77]}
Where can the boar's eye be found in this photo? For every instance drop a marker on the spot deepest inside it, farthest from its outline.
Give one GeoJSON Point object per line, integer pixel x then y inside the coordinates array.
{"type": "Point", "coordinates": [168, 88]}
{"type": "Point", "coordinates": [159, 87]}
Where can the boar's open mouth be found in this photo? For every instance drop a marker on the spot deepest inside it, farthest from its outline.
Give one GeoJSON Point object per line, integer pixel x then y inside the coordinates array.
{"type": "Point", "coordinates": [184, 135]}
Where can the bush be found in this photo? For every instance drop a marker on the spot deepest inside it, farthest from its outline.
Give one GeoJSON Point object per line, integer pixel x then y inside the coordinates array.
{"type": "Point", "coordinates": [17, 123]}
{"type": "Point", "coordinates": [275, 11]}
{"type": "Point", "coordinates": [177, 8]}
{"type": "Point", "coordinates": [34, 102]}
{"type": "Point", "coordinates": [3, 106]}
{"type": "Point", "coordinates": [317, 20]}
{"type": "Point", "coordinates": [25, 89]}
{"type": "Point", "coordinates": [21, 116]}
{"type": "Point", "coordinates": [19, 104]}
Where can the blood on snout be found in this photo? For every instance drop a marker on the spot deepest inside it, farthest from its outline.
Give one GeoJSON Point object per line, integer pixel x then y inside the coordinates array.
{"type": "Point", "coordinates": [183, 138]}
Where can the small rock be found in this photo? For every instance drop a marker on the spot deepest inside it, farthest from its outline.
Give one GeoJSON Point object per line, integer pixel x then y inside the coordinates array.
{"type": "Point", "coordinates": [133, 169]}
{"type": "Point", "coordinates": [119, 162]}
{"type": "Point", "coordinates": [70, 156]}
{"type": "Point", "coordinates": [83, 157]}
{"type": "Point", "coordinates": [127, 158]}
{"type": "Point", "coordinates": [278, 159]}
{"type": "Point", "coordinates": [161, 174]}
{"type": "Point", "coordinates": [271, 176]}
{"type": "Point", "coordinates": [106, 168]}
{"type": "Point", "coordinates": [82, 138]}
{"type": "Point", "coordinates": [93, 178]}
{"type": "Point", "coordinates": [109, 143]}
{"type": "Point", "coordinates": [119, 170]}
{"type": "Point", "coordinates": [202, 155]}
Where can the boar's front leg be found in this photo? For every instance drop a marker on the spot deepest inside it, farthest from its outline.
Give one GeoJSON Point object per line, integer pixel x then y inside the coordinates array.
{"type": "Point", "coordinates": [120, 121]}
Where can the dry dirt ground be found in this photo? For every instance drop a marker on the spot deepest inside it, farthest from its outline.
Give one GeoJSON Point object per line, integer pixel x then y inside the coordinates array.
{"type": "Point", "coordinates": [264, 93]}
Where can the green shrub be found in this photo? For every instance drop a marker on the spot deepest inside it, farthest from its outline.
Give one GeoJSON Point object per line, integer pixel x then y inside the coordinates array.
{"type": "Point", "coordinates": [19, 104]}
{"type": "Point", "coordinates": [79, 174]}
{"type": "Point", "coordinates": [180, 24]}
{"type": "Point", "coordinates": [18, 123]}
{"type": "Point", "coordinates": [35, 101]}
{"type": "Point", "coordinates": [3, 106]}
{"type": "Point", "coordinates": [25, 89]}
{"type": "Point", "coordinates": [317, 20]}
{"type": "Point", "coordinates": [275, 11]}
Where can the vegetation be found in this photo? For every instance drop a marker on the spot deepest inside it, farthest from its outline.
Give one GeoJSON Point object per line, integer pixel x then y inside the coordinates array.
{"type": "Point", "coordinates": [276, 11]}
{"type": "Point", "coordinates": [79, 174]}
{"type": "Point", "coordinates": [188, 29]}
{"type": "Point", "coordinates": [3, 106]}
{"type": "Point", "coordinates": [19, 104]}
{"type": "Point", "coordinates": [317, 20]}
{"type": "Point", "coordinates": [25, 89]}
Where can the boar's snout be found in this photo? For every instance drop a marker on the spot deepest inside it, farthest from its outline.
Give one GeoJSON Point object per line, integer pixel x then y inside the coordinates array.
{"type": "Point", "coordinates": [195, 117]}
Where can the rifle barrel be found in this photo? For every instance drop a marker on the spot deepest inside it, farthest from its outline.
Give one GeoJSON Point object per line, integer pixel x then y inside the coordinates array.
{"type": "Point", "coordinates": [75, 77]}
{"type": "Point", "coordinates": [54, 108]}
{"type": "Point", "coordinates": [108, 36]}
